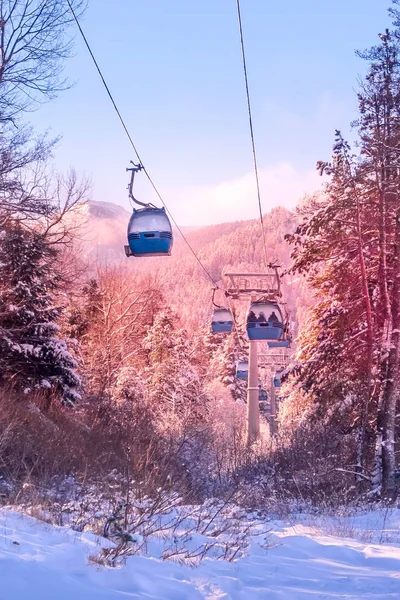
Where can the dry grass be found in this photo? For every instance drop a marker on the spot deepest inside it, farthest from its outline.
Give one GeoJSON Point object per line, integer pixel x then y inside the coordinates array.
{"type": "Point", "coordinates": [36, 447]}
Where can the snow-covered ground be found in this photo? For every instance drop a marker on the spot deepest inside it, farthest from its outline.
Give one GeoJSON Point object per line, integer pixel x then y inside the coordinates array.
{"type": "Point", "coordinates": [310, 558]}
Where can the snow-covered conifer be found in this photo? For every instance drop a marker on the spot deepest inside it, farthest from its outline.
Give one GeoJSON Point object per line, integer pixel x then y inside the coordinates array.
{"type": "Point", "coordinates": [223, 366]}
{"type": "Point", "coordinates": [32, 354]}
{"type": "Point", "coordinates": [173, 377]}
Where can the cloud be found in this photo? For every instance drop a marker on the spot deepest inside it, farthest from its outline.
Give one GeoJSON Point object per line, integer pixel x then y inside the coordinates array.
{"type": "Point", "coordinates": [281, 185]}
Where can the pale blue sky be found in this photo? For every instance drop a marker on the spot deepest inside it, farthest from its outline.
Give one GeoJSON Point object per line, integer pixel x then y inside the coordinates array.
{"type": "Point", "coordinates": [174, 68]}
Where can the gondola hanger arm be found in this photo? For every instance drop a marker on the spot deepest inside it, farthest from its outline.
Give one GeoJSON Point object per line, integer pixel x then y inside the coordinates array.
{"type": "Point", "coordinates": [133, 170]}
{"type": "Point", "coordinates": [213, 296]}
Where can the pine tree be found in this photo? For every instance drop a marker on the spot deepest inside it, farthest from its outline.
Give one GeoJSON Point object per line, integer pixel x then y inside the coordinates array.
{"type": "Point", "coordinates": [329, 248]}
{"type": "Point", "coordinates": [84, 311]}
{"type": "Point", "coordinates": [173, 378]}
{"type": "Point", "coordinates": [206, 344]}
{"type": "Point", "coordinates": [223, 366]}
{"type": "Point", "coordinates": [32, 354]}
{"type": "Point", "coordinates": [379, 128]}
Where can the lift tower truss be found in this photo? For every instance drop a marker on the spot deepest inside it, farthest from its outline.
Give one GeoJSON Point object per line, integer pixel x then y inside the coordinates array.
{"type": "Point", "coordinates": [252, 286]}
{"type": "Point", "coordinates": [243, 285]}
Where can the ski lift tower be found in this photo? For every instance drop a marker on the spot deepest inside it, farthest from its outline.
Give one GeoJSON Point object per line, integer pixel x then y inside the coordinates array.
{"type": "Point", "coordinates": [251, 286]}
{"type": "Point", "coordinates": [271, 362]}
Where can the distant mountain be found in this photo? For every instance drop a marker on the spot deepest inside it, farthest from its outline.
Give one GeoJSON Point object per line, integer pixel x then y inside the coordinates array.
{"type": "Point", "coordinates": [103, 211]}
{"type": "Point", "coordinates": [107, 210]}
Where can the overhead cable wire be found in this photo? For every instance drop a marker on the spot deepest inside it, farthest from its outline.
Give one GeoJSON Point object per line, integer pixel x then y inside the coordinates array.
{"type": "Point", "coordinates": [253, 145]}
{"type": "Point", "coordinates": [133, 145]}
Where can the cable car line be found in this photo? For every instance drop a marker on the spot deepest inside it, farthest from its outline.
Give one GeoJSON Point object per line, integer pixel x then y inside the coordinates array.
{"type": "Point", "coordinates": [133, 145]}
{"type": "Point", "coordinates": [103, 80]}
{"type": "Point", "coordinates": [264, 321]}
{"type": "Point", "coordinates": [253, 145]}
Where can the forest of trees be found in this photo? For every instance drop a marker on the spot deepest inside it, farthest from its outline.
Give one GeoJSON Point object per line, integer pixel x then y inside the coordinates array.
{"type": "Point", "coordinates": [110, 367]}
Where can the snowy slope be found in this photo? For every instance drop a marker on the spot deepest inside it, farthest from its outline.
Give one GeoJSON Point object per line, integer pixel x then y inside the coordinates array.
{"type": "Point", "coordinates": [42, 562]}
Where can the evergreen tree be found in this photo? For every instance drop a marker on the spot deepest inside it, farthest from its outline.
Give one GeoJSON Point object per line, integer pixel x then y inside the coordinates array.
{"type": "Point", "coordinates": [173, 378]}
{"type": "Point", "coordinates": [84, 311]}
{"type": "Point", "coordinates": [32, 354]}
{"type": "Point", "coordinates": [206, 344]}
{"type": "Point", "coordinates": [379, 128]}
{"type": "Point", "coordinates": [223, 366]}
{"type": "Point", "coordinates": [349, 247]}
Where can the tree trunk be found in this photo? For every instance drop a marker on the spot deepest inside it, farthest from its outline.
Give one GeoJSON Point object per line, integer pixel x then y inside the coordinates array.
{"type": "Point", "coordinates": [392, 388]}
{"type": "Point", "coordinates": [370, 340]}
{"type": "Point", "coordinates": [385, 409]}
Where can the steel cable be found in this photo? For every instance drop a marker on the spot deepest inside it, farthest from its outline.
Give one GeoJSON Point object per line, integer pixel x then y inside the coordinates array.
{"type": "Point", "coordinates": [134, 147]}
{"type": "Point", "coordinates": [251, 131]}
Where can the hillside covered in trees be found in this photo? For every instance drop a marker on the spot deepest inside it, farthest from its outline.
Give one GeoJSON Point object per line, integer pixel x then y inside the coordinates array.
{"type": "Point", "coordinates": [185, 285]}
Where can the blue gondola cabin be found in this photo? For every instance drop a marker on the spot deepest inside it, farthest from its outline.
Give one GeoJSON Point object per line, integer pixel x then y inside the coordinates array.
{"type": "Point", "coordinates": [279, 344]}
{"type": "Point", "coordinates": [222, 321]}
{"type": "Point", "coordinates": [149, 233]}
{"type": "Point", "coordinates": [277, 378]}
{"type": "Point", "coordinates": [242, 369]}
{"type": "Point", "coordinates": [264, 321]}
